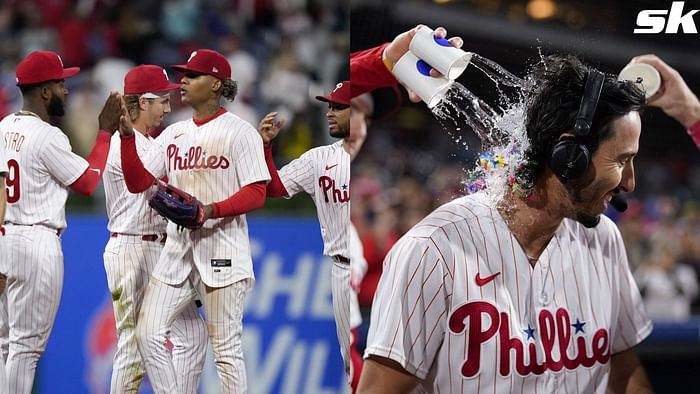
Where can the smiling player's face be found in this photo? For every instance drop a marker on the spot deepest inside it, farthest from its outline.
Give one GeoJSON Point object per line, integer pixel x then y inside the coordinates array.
{"type": "Point", "coordinates": [611, 171]}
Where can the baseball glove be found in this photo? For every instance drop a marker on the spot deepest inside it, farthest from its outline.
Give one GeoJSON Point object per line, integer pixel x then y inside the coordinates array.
{"type": "Point", "coordinates": [178, 206]}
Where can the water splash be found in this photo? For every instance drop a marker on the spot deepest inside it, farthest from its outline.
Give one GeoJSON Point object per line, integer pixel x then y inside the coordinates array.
{"type": "Point", "coordinates": [503, 134]}
{"type": "Point", "coordinates": [497, 74]}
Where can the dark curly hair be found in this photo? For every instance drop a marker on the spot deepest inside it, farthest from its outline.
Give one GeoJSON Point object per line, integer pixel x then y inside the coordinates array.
{"type": "Point", "coordinates": [229, 89]}
{"type": "Point", "coordinates": [557, 84]}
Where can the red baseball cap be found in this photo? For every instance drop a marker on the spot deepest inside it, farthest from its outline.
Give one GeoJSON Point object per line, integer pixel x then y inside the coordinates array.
{"type": "Point", "coordinates": [206, 61]}
{"type": "Point", "coordinates": [42, 66]}
{"type": "Point", "coordinates": [147, 78]}
{"type": "Point", "coordinates": [339, 95]}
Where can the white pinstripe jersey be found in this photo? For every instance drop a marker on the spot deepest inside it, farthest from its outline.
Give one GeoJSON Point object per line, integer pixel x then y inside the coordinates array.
{"type": "Point", "coordinates": [41, 167]}
{"type": "Point", "coordinates": [459, 305]}
{"type": "Point", "coordinates": [129, 213]}
{"type": "Point", "coordinates": [3, 156]}
{"type": "Point", "coordinates": [324, 173]}
{"type": "Point", "coordinates": [211, 162]}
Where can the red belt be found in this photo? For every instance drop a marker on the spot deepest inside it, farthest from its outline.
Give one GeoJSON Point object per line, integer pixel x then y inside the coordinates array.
{"type": "Point", "coordinates": [145, 237]}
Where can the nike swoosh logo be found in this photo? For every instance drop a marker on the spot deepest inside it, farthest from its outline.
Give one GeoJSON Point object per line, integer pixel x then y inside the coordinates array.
{"type": "Point", "coordinates": [329, 167]}
{"type": "Point", "coordinates": [483, 281]}
{"type": "Point", "coordinates": [178, 136]}
{"type": "Point", "coordinates": [97, 170]}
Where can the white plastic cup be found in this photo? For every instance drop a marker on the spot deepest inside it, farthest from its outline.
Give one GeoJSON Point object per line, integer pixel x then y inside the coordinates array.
{"type": "Point", "coordinates": [650, 77]}
{"type": "Point", "coordinates": [439, 53]}
{"type": "Point", "coordinates": [415, 73]}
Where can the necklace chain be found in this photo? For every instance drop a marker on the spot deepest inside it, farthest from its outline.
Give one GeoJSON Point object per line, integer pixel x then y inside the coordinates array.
{"type": "Point", "coordinates": [24, 112]}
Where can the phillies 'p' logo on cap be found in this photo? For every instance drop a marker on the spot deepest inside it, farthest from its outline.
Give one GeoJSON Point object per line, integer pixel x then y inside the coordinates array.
{"type": "Point", "coordinates": [147, 78]}
{"type": "Point", "coordinates": [42, 66]}
{"type": "Point", "coordinates": [206, 61]}
{"type": "Point", "coordinates": [339, 95]}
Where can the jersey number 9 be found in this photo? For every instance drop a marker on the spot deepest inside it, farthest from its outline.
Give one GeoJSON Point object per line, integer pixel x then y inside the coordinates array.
{"type": "Point", "coordinates": [13, 192]}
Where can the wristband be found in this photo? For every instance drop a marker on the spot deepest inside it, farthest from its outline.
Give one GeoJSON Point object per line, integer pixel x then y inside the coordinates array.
{"type": "Point", "coordinates": [387, 63]}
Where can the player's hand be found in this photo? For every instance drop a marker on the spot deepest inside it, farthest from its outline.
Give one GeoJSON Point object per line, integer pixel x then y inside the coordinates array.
{"type": "Point", "coordinates": [111, 111]}
{"type": "Point", "coordinates": [126, 128]}
{"type": "Point", "coordinates": [355, 280]}
{"type": "Point", "coordinates": [399, 46]}
{"type": "Point", "coordinates": [207, 211]}
{"type": "Point", "coordinates": [674, 97]}
{"type": "Point", "coordinates": [269, 127]}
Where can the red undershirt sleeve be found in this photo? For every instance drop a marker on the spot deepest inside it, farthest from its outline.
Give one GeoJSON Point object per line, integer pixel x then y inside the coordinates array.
{"type": "Point", "coordinates": [136, 177]}
{"type": "Point", "coordinates": [275, 188]}
{"type": "Point", "coordinates": [249, 198]}
{"type": "Point", "coordinates": [694, 132]}
{"type": "Point", "coordinates": [97, 159]}
{"type": "Point", "coordinates": [368, 72]}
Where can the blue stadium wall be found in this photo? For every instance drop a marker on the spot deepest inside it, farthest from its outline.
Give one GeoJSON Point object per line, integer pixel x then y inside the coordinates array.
{"type": "Point", "coordinates": [289, 336]}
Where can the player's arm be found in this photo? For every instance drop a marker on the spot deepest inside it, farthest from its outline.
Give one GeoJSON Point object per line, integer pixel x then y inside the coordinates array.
{"type": "Point", "coordinates": [136, 177]}
{"type": "Point", "coordinates": [404, 340]}
{"type": "Point", "coordinates": [97, 159]}
{"type": "Point", "coordinates": [251, 172]}
{"type": "Point", "coordinates": [371, 69]}
{"type": "Point", "coordinates": [368, 71]}
{"type": "Point", "coordinates": [385, 376]}
{"type": "Point", "coordinates": [275, 188]}
{"type": "Point", "coordinates": [675, 97]}
{"type": "Point", "coordinates": [249, 198]}
{"type": "Point", "coordinates": [269, 129]}
{"type": "Point", "coordinates": [627, 374]}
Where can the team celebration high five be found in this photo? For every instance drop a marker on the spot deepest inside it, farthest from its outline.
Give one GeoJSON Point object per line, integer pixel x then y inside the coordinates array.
{"type": "Point", "coordinates": [176, 205]}
{"type": "Point", "coordinates": [41, 169]}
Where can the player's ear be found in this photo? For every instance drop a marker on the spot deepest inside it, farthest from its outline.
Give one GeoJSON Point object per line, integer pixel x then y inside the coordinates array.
{"type": "Point", "coordinates": [142, 103]}
{"type": "Point", "coordinates": [45, 91]}
{"type": "Point", "coordinates": [216, 85]}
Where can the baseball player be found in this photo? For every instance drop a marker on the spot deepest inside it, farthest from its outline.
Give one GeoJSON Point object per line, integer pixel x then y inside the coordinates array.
{"type": "Point", "coordinates": [42, 168]}
{"type": "Point", "coordinates": [137, 238]}
{"type": "Point", "coordinates": [3, 203]}
{"type": "Point", "coordinates": [358, 268]}
{"type": "Point", "coordinates": [218, 158]}
{"type": "Point", "coordinates": [532, 292]}
{"type": "Point", "coordinates": [324, 174]}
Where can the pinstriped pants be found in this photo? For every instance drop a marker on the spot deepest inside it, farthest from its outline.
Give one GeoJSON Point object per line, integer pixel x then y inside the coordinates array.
{"type": "Point", "coordinates": [340, 273]}
{"type": "Point", "coordinates": [33, 260]}
{"type": "Point", "coordinates": [129, 262]}
{"type": "Point", "coordinates": [223, 308]}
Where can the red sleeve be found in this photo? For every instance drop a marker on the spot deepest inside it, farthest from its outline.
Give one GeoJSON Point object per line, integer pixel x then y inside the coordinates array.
{"type": "Point", "coordinates": [136, 177]}
{"type": "Point", "coordinates": [249, 198]}
{"type": "Point", "coordinates": [97, 159]}
{"type": "Point", "coordinates": [694, 132]}
{"type": "Point", "coordinates": [275, 188]}
{"type": "Point", "coordinates": [368, 72]}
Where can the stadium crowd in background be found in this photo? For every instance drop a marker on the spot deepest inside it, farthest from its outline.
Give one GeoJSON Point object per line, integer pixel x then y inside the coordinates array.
{"type": "Point", "coordinates": [282, 54]}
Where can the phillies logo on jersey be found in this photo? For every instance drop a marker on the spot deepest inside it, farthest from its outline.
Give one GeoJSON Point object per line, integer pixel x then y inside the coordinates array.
{"type": "Point", "coordinates": [554, 333]}
{"type": "Point", "coordinates": [195, 158]}
{"type": "Point", "coordinates": [327, 184]}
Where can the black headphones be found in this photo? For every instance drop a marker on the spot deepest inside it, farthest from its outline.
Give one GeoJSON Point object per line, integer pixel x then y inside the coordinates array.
{"type": "Point", "coordinates": [569, 159]}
